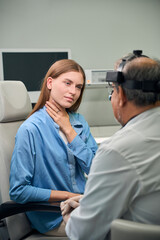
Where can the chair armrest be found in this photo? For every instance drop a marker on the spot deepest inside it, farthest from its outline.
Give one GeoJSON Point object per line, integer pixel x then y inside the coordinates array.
{"type": "Point", "coordinates": [10, 208]}
{"type": "Point", "coordinates": [126, 229]}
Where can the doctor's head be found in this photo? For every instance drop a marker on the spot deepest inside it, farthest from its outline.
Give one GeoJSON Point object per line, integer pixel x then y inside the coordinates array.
{"type": "Point", "coordinates": [136, 86]}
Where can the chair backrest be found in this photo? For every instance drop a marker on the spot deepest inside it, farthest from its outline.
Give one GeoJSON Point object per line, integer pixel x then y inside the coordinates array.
{"type": "Point", "coordinates": [15, 106]}
{"type": "Point", "coordinates": [128, 230]}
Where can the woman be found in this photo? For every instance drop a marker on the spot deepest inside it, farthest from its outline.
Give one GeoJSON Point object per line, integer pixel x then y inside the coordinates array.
{"type": "Point", "coordinates": [53, 147]}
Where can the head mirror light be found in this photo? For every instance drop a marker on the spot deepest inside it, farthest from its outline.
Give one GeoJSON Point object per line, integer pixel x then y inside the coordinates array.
{"type": "Point", "coordinates": [118, 77]}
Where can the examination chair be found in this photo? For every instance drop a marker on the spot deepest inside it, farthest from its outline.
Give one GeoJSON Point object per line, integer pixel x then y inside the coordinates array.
{"type": "Point", "coordinates": [128, 230]}
{"type": "Point", "coordinates": [15, 105]}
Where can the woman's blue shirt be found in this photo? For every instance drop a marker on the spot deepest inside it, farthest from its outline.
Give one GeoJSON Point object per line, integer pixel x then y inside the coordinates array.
{"type": "Point", "coordinates": [42, 162]}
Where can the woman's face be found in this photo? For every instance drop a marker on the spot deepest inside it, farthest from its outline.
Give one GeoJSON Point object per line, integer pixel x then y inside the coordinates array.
{"type": "Point", "coordinates": [66, 89]}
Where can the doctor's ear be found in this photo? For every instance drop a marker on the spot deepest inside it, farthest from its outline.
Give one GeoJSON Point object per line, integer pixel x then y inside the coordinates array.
{"type": "Point", "coordinates": [122, 97]}
{"type": "Point", "coordinates": [49, 83]}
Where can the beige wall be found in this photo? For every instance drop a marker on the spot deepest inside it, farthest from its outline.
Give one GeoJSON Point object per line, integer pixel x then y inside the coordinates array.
{"type": "Point", "coordinates": [97, 32]}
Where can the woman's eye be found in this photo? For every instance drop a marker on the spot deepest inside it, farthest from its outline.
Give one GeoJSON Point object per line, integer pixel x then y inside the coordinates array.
{"type": "Point", "coordinates": [79, 87]}
{"type": "Point", "coordinates": [67, 83]}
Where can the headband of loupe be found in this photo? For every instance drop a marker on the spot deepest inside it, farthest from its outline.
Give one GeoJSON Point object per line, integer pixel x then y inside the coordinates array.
{"type": "Point", "coordinates": [118, 77]}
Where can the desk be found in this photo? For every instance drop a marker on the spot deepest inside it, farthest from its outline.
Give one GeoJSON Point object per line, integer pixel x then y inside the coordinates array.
{"type": "Point", "coordinates": [101, 133]}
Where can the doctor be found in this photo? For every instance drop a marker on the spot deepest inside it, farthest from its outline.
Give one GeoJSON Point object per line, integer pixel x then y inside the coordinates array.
{"type": "Point", "coordinates": [124, 180]}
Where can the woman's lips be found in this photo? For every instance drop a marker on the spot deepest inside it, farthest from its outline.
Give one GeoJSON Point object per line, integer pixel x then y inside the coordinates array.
{"type": "Point", "coordinates": [69, 99]}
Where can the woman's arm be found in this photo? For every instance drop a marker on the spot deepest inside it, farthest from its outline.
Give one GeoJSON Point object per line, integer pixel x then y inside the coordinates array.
{"type": "Point", "coordinates": [61, 195]}
{"type": "Point", "coordinates": [82, 145]}
{"type": "Point", "coordinates": [22, 174]}
{"type": "Point", "coordinates": [22, 170]}
{"type": "Point", "coordinates": [61, 117]}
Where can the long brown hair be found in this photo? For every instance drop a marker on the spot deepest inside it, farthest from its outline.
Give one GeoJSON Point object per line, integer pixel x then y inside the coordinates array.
{"type": "Point", "coordinates": [58, 68]}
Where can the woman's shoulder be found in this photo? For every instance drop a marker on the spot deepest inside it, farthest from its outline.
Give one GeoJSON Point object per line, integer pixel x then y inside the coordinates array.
{"type": "Point", "coordinates": [36, 119]}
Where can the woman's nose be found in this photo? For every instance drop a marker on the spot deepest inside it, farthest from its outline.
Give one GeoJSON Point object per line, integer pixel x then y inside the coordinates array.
{"type": "Point", "coordinates": [72, 89]}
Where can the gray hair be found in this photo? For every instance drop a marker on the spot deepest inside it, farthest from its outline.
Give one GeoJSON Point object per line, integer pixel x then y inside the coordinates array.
{"type": "Point", "coordinates": [134, 70]}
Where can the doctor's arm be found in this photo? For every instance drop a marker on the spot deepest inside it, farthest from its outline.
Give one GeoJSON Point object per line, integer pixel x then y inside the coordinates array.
{"type": "Point", "coordinates": [108, 193]}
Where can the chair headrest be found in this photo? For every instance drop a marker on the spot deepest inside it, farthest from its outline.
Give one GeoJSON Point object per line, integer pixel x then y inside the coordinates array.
{"type": "Point", "coordinates": [15, 103]}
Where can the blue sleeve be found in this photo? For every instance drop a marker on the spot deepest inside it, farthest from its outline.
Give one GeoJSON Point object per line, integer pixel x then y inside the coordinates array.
{"type": "Point", "coordinates": [22, 171]}
{"type": "Point", "coordinates": [84, 146]}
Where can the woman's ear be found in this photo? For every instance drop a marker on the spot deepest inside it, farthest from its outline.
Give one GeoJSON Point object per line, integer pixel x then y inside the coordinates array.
{"type": "Point", "coordinates": [49, 83]}
{"type": "Point", "coordinates": [122, 97]}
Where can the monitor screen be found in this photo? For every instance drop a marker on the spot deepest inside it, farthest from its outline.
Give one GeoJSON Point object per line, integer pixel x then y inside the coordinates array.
{"type": "Point", "coordinates": [29, 66]}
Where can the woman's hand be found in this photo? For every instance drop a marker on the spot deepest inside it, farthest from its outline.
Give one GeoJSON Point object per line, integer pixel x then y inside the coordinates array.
{"type": "Point", "coordinates": [61, 117]}
{"type": "Point", "coordinates": [68, 206]}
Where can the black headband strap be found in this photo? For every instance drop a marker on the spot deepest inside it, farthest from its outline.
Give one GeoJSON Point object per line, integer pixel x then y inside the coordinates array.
{"type": "Point", "coordinates": [145, 86]}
